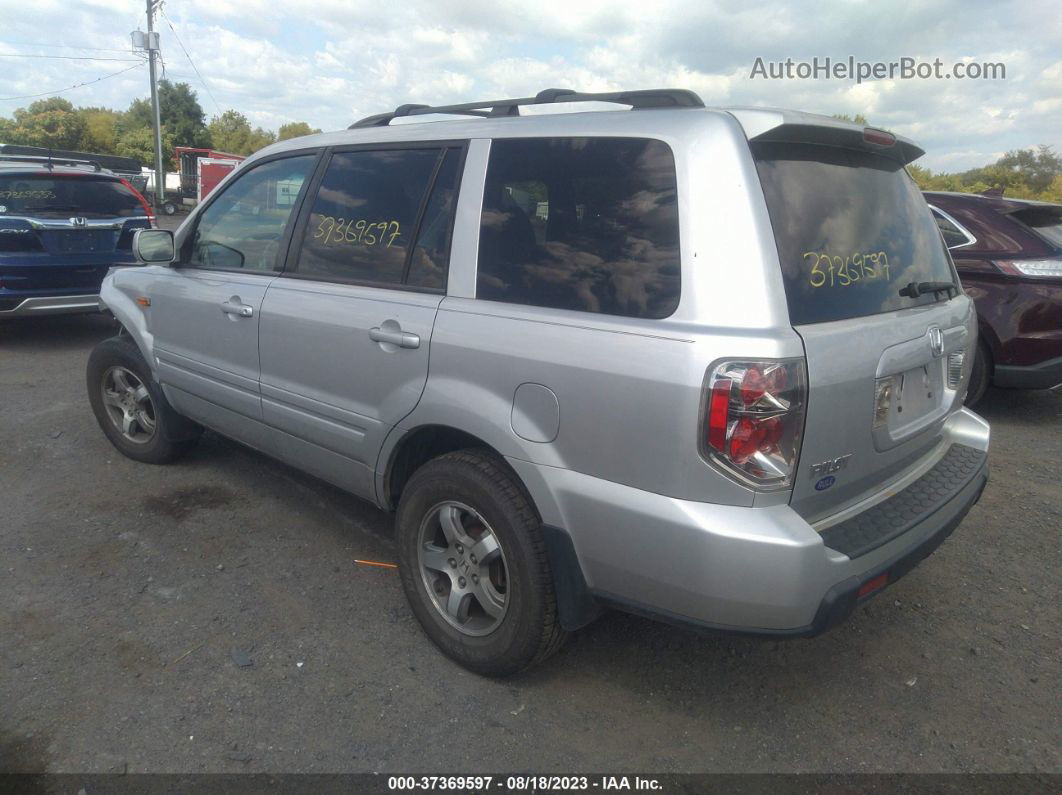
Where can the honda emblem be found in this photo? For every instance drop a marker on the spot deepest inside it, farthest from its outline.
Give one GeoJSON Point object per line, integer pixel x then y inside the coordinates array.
{"type": "Point", "coordinates": [936, 341]}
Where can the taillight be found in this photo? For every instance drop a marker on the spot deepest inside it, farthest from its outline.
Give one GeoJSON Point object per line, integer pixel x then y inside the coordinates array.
{"type": "Point", "coordinates": [754, 419]}
{"type": "Point", "coordinates": [1036, 268]}
{"type": "Point", "coordinates": [143, 202]}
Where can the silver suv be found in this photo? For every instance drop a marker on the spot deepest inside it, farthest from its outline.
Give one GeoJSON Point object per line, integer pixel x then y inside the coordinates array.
{"type": "Point", "coordinates": [707, 365]}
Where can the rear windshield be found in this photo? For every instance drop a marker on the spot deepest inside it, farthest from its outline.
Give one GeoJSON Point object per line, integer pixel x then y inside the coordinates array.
{"type": "Point", "coordinates": [1044, 221]}
{"type": "Point", "coordinates": [852, 229]}
{"type": "Point", "coordinates": [65, 196]}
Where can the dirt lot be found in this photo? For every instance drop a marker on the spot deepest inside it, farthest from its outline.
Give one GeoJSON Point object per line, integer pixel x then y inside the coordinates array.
{"type": "Point", "coordinates": [126, 588]}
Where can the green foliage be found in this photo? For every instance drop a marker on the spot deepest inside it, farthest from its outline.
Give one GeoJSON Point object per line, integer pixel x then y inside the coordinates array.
{"type": "Point", "coordinates": [295, 129]}
{"type": "Point", "coordinates": [50, 123]}
{"type": "Point", "coordinates": [181, 114]}
{"type": "Point", "coordinates": [45, 106]}
{"type": "Point", "coordinates": [1023, 174]}
{"type": "Point", "coordinates": [231, 132]}
{"type": "Point", "coordinates": [101, 130]}
{"type": "Point", "coordinates": [140, 144]}
{"type": "Point", "coordinates": [138, 115]}
{"type": "Point", "coordinates": [859, 118]}
{"type": "Point", "coordinates": [55, 122]}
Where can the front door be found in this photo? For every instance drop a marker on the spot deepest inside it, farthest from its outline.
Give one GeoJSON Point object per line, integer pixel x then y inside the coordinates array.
{"type": "Point", "coordinates": [345, 331]}
{"type": "Point", "coordinates": [205, 311]}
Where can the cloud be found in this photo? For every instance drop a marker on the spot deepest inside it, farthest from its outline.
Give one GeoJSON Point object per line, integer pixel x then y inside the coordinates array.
{"type": "Point", "coordinates": [330, 62]}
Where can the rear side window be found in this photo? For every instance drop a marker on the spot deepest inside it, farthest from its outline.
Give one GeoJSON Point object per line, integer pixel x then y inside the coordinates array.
{"type": "Point", "coordinates": [76, 195]}
{"type": "Point", "coordinates": [363, 222]}
{"type": "Point", "coordinates": [953, 235]}
{"type": "Point", "coordinates": [852, 229]}
{"type": "Point", "coordinates": [589, 224]}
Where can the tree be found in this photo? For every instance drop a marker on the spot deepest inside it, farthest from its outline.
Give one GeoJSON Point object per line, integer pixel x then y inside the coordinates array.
{"type": "Point", "coordinates": [51, 123]}
{"type": "Point", "coordinates": [138, 115]}
{"type": "Point", "coordinates": [859, 118]}
{"type": "Point", "coordinates": [295, 129]}
{"type": "Point", "coordinates": [231, 132]}
{"type": "Point", "coordinates": [182, 115]}
{"type": "Point", "coordinates": [139, 143]}
{"type": "Point", "coordinates": [1035, 167]}
{"type": "Point", "coordinates": [45, 106]}
{"type": "Point", "coordinates": [101, 130]}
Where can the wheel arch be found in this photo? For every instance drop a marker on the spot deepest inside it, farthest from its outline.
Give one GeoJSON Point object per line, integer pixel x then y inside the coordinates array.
{"type": "Point", "coordinates": [416, 446]}
{"type": "Point", "coordinates": [131, 321]}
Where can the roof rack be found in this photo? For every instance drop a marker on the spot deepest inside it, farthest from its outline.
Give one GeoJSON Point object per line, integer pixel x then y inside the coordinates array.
{"type": "Point", "coordinates": [49, 162]}
{"type": "Point", "coordinates": [638, 100]}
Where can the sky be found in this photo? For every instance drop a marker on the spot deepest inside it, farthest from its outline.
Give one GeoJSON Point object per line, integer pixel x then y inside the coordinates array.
{"type": "Point", "coordinates": [331, 62]}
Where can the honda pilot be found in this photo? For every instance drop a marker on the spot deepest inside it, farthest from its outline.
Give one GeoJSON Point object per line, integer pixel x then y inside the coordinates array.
{"type": "Point", "coordinates": [701, 364]}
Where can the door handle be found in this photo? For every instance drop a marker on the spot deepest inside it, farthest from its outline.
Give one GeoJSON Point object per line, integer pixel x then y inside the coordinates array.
{"type": "Point", "coordinates": [403, 339]}
{"type": "Point", "coordinates": [241, 310]}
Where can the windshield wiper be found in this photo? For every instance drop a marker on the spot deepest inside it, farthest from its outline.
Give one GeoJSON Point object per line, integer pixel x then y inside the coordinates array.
{"type": "Point", "coordinates": [915, 289]}
{"type": "Point", "coordinates": [52, 208]}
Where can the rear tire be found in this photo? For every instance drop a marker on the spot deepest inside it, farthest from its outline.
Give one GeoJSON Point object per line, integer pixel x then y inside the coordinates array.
{"type": "Point", "coordinates": [496, 615]}
{"type": "Point", "coordinates": [169, 208]}
{"type": "Point", "coordinates": [980, 375]}
{"type": "Point", "coordinates": [130, 408]}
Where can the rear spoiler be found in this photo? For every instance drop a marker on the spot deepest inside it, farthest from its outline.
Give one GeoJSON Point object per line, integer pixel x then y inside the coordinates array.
{"type": "Point", "coordinates": [763, 124]}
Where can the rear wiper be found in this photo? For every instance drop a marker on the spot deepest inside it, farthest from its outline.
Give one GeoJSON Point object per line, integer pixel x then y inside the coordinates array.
{"type": "Point", "coordinates": [915, 289]}
{"type": "Point", "coordinates": [53, 208]}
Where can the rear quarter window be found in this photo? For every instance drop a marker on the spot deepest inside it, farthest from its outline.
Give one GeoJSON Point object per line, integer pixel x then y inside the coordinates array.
{"type": "Point", "coordinates": [588, 224]}
{"type": "Point", "coordinates": [851, 229]}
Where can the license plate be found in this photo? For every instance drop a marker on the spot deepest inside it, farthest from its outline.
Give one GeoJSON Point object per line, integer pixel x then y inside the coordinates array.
{"type": "Point", "coordinates": [919, 392]}
{"type": "Point", "coordinates": [84, 241]}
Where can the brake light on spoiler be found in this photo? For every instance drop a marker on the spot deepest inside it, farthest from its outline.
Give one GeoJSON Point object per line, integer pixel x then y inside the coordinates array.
{"type": "Point", "coordinates": [878, 137]}
{"type": "Point", "coordinates": [754, 418]}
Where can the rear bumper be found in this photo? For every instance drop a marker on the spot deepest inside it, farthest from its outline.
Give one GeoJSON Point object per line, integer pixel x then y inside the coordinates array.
{"type": "Point", "coordinates": [1045, 375]}
{"type": "Point", "coordinates": [730, 568]}
{"type": "Point", "coordinates": [51, 305]}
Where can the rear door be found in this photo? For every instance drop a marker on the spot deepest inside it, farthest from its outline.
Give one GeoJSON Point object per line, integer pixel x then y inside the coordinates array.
{"type": "Point", "coordinates": [853, 233]}
{"type": "Point", "coordinates": [346, 330]}
{"type": "Point", "coordinates": [60, 232]}
{"type": "Point", "coordinates": [205, 311]}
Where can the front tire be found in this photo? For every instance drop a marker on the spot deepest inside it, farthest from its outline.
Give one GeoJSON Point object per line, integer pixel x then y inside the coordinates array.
{"type": "Point", "coordinates": [130, 408]}
{"type": "Point", "coordinates": [473, 564]}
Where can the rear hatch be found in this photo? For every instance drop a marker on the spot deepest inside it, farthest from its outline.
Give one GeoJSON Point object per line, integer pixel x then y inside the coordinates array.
{"type": "Point", "coordinates": [63, 231]}
{"type": "Point", "coordinates": [853, 232]}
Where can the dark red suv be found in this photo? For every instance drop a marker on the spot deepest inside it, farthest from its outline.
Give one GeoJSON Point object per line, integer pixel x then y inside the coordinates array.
{"type": "Point", "coordinates": [1009, 256]}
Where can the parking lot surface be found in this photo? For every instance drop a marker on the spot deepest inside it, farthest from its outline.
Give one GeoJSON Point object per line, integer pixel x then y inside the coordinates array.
{"type": "Point", "coordinates": [209, 616]}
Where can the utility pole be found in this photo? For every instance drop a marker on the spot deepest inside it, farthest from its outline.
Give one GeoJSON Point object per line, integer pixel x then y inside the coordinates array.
{"type": "Point", "coordinates": [153, 48]}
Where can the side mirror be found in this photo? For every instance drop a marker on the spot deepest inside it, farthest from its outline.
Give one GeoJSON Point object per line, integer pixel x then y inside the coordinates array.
{"type": "Point", "coordinates": [153, 246]}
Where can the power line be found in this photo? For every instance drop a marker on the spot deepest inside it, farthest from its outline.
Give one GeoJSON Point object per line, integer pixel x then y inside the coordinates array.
{"type": "Point", "coordinates": [71, 88]}
{"type": "Point", "coordinates": [189, 57]}
{"type": "Point", "coordinates": [67, 57]}
{"type": "Point", "coordinates": [65, 46]}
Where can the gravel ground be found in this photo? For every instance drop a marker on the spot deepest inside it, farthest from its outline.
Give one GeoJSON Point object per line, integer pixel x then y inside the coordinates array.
{"type": "Point", "coordinates": [131, 594]}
